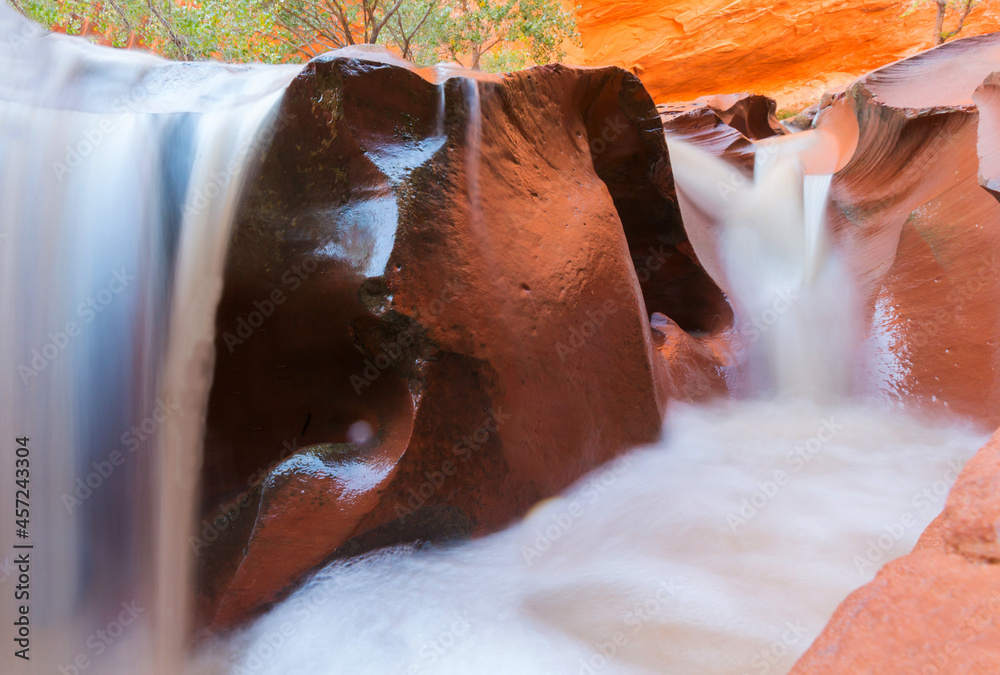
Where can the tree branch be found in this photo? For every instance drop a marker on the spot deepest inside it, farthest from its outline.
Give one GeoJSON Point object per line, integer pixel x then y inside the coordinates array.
{"type": "Point", "coordinates": [181, 45]}
{"type": "Point", "coordinates": [16, 4]}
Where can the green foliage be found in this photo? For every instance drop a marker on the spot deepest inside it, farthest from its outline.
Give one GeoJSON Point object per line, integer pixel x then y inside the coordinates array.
{"type": "Point", "coordinates": [507, 35]}
{"type": "Point", "coordinates": [496, 35]}
{"type": "Point", "coordinates": [229, 30]}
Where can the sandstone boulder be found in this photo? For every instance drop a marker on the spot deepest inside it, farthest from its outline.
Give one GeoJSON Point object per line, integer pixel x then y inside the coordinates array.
{"type": "Point", "coordinates": [466, 267]}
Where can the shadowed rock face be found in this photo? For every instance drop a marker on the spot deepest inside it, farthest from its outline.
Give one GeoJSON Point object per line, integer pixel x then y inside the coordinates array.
{"type": "Point", "coordinates": [474, 289]}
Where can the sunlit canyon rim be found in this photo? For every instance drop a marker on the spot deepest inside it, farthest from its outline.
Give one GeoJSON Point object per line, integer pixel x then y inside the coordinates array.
{"type": "Point", "coordinates": [359, 367]}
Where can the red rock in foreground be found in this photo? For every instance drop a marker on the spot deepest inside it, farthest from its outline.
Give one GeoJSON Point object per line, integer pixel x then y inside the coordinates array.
{"type": "Point", "coordinates": [476, 292]}
{"type": "Point", "coordinates": [936, 610]}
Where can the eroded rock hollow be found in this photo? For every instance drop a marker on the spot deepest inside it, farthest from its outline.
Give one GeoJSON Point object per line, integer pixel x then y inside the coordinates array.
{"type": "Point", "coordinates": [437, 312]}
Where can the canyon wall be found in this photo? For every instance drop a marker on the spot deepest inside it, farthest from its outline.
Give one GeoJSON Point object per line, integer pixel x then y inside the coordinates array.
{"type": "Point", "coordinates": [791, 51]}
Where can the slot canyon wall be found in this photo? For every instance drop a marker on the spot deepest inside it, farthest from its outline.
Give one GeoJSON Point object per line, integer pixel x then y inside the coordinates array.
{"type": "Point", "coordinates": [790, 51]}
{"type": "Point", "coordinates": [491, 275]}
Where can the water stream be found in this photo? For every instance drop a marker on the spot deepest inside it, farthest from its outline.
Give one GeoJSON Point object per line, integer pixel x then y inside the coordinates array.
{"type": "Point", "coordinates": [121, 173]}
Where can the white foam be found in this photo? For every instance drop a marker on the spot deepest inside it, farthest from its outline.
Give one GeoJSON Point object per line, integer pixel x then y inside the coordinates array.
{"type": "Point", "coordinates": [654, 563]}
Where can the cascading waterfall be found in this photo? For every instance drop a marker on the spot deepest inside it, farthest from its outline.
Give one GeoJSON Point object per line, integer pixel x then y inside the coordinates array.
{"type": "Point", "coordinates": [121, 176]}
{"type": "Point", "coordinates": [793, 294]}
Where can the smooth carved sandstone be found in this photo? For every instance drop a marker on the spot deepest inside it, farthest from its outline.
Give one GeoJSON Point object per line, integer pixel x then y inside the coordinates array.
{"type": "Point", "coordinates": [476, 290]}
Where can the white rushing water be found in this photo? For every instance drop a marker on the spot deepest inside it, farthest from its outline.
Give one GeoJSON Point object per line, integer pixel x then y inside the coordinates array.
{"type": "Point", "coordinates": [793, 295]}
{"type": "Point", "coordinates": [721, 550]}
{"type": "Point", "coordinates": [121, 173]}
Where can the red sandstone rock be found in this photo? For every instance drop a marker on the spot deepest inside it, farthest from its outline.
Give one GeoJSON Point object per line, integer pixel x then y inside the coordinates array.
{"type": "Point", "coordinates": [479, 294]}
{"type": "Point", "coordinates": [936, 610]}
{"type": "Point", "coordinates": [790, 51]}
{"type": "Point", "coordinates": [923, 235]}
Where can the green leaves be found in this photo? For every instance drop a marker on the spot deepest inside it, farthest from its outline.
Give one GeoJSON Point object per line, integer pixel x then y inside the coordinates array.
{"type": "Point", "coordinates": [497, 35]}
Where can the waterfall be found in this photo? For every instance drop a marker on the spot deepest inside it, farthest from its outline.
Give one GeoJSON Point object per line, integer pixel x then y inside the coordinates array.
{"type": "Point", "coordinates": [792, 292]}
{"type": "Point", "coordinates": [474, 154]}
{"type": "Point", "coordinates": [122, 173]}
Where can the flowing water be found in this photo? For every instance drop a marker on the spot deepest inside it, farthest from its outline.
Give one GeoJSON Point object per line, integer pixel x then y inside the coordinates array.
{"type": "Point", "coordinates": [120, 176]}
{"type": "Point", "coordinates": [723, 548]}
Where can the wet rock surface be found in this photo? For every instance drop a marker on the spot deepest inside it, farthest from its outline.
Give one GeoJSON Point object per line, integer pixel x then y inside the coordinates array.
{"type": "Point", "coordinates": [436, 313]}
{"type": "Point", "coordinates": [922, 233]}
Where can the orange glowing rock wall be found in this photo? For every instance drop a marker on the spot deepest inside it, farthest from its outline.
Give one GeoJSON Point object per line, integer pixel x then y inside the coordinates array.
{"type": "Point", "coordinates": [791, 51]}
